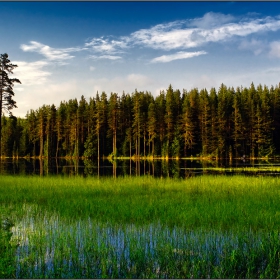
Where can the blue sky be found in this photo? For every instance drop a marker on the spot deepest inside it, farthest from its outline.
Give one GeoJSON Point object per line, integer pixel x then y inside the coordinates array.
{"type": "Point", "coordinates": [67, 49]}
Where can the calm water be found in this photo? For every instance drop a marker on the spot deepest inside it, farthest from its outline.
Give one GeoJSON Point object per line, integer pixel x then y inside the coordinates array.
{"type": "Point", "coordinates": [158, 168]}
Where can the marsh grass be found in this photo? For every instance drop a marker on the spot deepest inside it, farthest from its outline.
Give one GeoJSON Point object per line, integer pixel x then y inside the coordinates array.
{"type": "Point", "coordinates": [217, 202]}
{"type": "Point", "coordinates": [143, 227]}
{"type": "Point", "coordinates": [7, 248]}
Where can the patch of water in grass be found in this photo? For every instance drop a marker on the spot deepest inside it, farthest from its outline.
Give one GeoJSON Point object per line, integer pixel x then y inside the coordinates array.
{"type": "Point", "coordinates": [52, 247]}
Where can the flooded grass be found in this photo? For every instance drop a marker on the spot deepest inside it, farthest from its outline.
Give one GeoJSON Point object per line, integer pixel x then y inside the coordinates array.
{"type": "Point", "coordinates": [203, 227]}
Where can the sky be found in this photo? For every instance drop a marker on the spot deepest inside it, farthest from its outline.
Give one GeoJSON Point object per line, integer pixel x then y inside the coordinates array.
{"type": "Point", "coordinates": [68, 49]}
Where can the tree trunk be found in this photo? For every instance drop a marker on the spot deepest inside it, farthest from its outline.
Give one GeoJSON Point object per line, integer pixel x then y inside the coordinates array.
{"type": "Point", "coordinates": [41, 141]}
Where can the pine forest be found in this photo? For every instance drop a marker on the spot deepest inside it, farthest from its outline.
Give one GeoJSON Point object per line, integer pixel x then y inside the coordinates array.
{"type": "Point", "coordinates": [222, 123]}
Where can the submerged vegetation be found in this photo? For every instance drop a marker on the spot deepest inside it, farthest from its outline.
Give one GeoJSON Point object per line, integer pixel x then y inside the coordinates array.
{"type": "Point", "coordinates": [143, 227]}
{"type": "Point", "coordinates": [222, 123]}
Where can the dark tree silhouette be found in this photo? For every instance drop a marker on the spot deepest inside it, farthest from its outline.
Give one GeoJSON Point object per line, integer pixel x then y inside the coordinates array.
{"type": "Point", "coordinates": [6, 89]}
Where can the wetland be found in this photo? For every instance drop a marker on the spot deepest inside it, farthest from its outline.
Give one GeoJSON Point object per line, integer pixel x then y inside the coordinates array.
{"type": "Point", "coordinates": [76, 226]}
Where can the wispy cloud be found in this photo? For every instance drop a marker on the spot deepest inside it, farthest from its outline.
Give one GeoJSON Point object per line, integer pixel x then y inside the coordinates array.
{"type": "Point", "coordinates": [111, 57]}
{"type": "Point", "coordinates": [176, 35]}
{"type": "Point", "coordinates": [185, 34]}
{"type": "Point", "coordinates": [108, 45]}
{"type": "Point", "coordinates": [52, 54]}
{"type": "Point", "coordinates": [210, 20]}
{"type": "Point", "coordinates": [31, 73]}
{"type": "Point", "coordinates": [178, 55]}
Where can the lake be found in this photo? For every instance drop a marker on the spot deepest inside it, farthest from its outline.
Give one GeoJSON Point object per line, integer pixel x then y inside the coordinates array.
{"type": "Point", "coordinates": [157, 168]}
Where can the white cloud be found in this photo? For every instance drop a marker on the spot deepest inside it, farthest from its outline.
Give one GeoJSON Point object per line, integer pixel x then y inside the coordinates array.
{"type": "Point", "coordinates": [175, 35]}
{"type": "Point", "coordinates": [55, 54]}
{"type": "Point", "coordinates": [211, 20]}
{"type": "Point", "coordinates": [107, 45]}
{"type": "Point", "coordinates": [256, 46]}
{"type": "Point", "coordinates": [91, 68]}
{"type": "Point", "coordinates": [110, 57]}
{"type": "Point", "coordinates": [184, 34]}
{"type": "Point", "coordinates": [275, 49]}
{"type": "Point", "coordinates": [31, 73]}
{"type": "Point", "coordinates": [178, 55]}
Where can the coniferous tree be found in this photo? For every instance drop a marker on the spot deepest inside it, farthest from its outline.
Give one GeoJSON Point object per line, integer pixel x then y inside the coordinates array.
{"type": "Point", "coordinates": [136, 124]}
{"type": "Point", "coordinates": [160, 103]}
{"type": "Point", "coordinates": [169, 117]}
{"type": "Point", "coordinates": [60, 129]}
{"type": "Point", "coordinates": [71, 128]}
{"type": "Point", "coordinates": [275, 106]}
{"type": "Point", "coordinates": [146, 99]}
{"type": "Point", "coordinates": [125, 124]}
{"type": "Point", "coordinates": [176, 145]}
{"type": "Point", "coordinates": [238, 125]}
{"type": "Point", "coordinates": [81, 124]}
{"type": "Point", "coordinates": [32, 128]}
{"type": "Point", "coordinates": [194, 115]}
{"type": "Point", "coordinates": [265, 142]}
{"type": "Point", "coordinates": [188, 127]}
{"type": "Point", "coordinates": [50, 131]}
{"type": "Point", "coordinates": [213, 104]}
{"type": "Point", "coordinates": [205, 121]}
{"type": "Point", "coordinates": [224, 111]}
{"type": "Point", "coordinates": [41, 112]}
{"type": "Point", "coordinates": [113, 120]}
{"type": "Point", "coordinates": [152, 127]}
{"type": "Point", "coordinates": [92, 124]}
{"type": "Point", "coordinates": [252, 104]}
{"type": "Point", "coordinates": [7, 102]}
{"type": "Point", "coordinates": [103, 121]}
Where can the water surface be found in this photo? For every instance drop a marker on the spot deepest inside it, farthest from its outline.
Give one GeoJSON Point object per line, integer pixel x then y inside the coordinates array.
{"type": "Point", "coordinates": [156, 168]}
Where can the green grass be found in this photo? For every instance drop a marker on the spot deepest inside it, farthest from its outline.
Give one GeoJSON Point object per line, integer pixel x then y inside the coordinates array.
{"type": "Point", "coordinates": [7, 249]}
{"type": "Point", "coordinates": [144, 227]}
{"type": "Point", "coordinates": [218, 202]}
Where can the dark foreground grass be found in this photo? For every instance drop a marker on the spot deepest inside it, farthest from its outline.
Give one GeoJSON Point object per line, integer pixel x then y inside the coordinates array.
{"type": "Point", "coordinates": [143, 227]}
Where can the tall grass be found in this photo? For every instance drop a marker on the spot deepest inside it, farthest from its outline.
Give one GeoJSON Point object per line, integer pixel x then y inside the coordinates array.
{"type": "Point", "coordinates": [144, 227]}
{"type": "Point", "coordinates": [218, 202]}
{"type": "Point", "coordinates": [7, 262]}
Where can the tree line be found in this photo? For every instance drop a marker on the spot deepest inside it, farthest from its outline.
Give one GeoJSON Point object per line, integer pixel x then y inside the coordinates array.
{"type": "Point", "coordinates": [222, 123]}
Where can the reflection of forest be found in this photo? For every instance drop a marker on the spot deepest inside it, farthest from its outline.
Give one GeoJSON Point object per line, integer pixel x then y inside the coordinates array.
{"type": "Point", "coordinates": [114, 168]}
